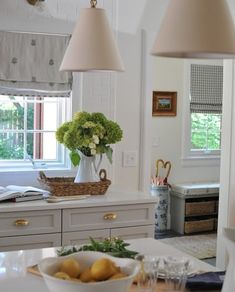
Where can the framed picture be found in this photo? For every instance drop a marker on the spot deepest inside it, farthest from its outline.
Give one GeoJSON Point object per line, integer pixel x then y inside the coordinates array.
{"type": "Point", "coordinates": [164, 103]}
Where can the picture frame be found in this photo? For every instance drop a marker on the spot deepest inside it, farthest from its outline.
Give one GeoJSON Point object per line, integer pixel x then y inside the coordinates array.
{"type": "Point", "coordinates": [164, 103]}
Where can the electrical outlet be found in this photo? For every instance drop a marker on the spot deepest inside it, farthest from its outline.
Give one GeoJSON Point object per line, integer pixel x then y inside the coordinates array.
{"type": "Point", "coordinates": [129, 158]}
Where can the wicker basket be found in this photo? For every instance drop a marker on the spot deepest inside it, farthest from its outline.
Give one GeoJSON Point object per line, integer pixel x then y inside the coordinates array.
{"type": "Point", "coordinates": [200, 208]}
{"type": "Point", "coordinates": [199, 226]}
{"type": "Point", "coordinates": [65, 186]}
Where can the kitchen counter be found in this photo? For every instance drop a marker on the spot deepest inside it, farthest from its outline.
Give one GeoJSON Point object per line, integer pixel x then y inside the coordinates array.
{"type": "Point", "coordinates": [36, 224]}
{"type": "Point", "coordinates": [13, 274]}
{"type": "Point", "coordinates": [114, 198]}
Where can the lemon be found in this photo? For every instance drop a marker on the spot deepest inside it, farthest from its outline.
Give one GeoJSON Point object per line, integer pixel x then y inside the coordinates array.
{"type": "Point", "coordinates": [102, 269]}
{"type": "Point", "coordinates": [62, 275]}
{"type": "Point", "coordinates": [118, 276]}
{"type": "Point", "coordinates": [86, 276]}
{"type": "Point", "coordinates": [71, 267]}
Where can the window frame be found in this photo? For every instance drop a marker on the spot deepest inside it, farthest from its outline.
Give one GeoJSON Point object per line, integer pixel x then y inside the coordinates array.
{"type": "Point", "coordinates": [63, 163]}
{"type": "Point", "coordinates": [194, 157]}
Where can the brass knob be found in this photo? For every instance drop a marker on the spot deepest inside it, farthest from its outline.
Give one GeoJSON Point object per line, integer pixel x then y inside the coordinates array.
{"type": "Point", "coordinates": [110, 216]}
{"type": "Point", "coordinates": [21, 222]}
{"type": "Point", "coordinates": [112, 238]}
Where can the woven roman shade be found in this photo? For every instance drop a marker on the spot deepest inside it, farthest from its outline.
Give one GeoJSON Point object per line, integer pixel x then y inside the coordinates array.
{"type": "Point", "coordinates": [206, 89]}
{"type": "Point", "coordinates": [29, 64]}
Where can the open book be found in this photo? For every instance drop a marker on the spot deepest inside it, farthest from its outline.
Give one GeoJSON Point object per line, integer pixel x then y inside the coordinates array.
{"type": "Point", "coordinates": [13, 191]}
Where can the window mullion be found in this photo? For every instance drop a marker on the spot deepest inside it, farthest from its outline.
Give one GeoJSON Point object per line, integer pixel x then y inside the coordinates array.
{"type": "Point", "coordinates": [25, 126]}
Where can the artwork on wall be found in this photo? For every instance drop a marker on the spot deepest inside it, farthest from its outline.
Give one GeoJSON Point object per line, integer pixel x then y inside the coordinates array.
{"type": "Point", "coordinates": [164, 103]}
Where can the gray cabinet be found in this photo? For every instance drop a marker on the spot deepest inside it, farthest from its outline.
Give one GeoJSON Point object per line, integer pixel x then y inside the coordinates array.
{"type": "Point", "coordinates": [30, 229]}
{"type": "Point", "coordinates": [193, 212]}
{"type": "Point", "coordinates": [39, 224]}
{"type": "Point", "coordinates": [123, 221]}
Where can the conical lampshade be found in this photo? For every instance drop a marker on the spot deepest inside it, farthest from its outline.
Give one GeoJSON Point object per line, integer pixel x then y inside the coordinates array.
{"type": "Point", "coordinates": [196, 29]}
{"type": "Point", "coordinates": [92, 46]}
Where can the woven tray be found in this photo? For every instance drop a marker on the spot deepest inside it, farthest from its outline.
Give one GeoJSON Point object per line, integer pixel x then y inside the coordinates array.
{"type": "Point", "coordinates": [65, 186]}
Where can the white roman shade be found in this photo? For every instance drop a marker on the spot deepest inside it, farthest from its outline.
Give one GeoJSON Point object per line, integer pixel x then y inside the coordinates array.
{"type": "Point", "coordinates": [29, 64]}
{"type": "Point", "coordinates": [206, 89]}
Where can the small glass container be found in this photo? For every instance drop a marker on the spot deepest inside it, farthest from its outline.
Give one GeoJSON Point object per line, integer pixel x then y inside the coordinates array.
{"type": "Point", "coordinates": [176, 271]}
{"type": "Point", "coordinates": [147, 277]}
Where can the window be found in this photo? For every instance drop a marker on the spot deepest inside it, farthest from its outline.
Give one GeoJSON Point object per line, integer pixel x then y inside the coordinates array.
{"type": "Point", "coordinates": [205, 132]}
{"type": "Point", "coordinates": [27, 131]}
{"type": "Point", "coordinates": [34, 100]}
{"type": "Point", "coordinates": [203, 117]}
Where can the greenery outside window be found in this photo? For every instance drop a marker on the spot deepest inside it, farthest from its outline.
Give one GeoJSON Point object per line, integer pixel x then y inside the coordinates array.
{"type": "Point", "coordinates": [205, 133]}
{"type": "Point", "coordinates": [27, 131]}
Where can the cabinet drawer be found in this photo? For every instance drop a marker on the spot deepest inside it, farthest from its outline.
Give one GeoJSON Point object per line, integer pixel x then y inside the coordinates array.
{"type": "Point", "coordinates": [199, 226]}
{"type": "Point", "coordinates": [32, 222]}
{"type": "Point", "coordinates": [200, 208]}
{"type": "Point", "coordinates": [29, 242]}
{"type": "Point", "coordinates": [82, 237]}
{"type": "Point", "coordinates": [133, 232]}
{"type": "Point", "coordinates": [108, 217]}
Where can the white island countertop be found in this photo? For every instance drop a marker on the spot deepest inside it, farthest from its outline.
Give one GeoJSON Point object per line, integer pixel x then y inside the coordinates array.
{"type": "Point", "coordinates": [14, 276]}
{"type": "Point", "coordinates": [110, 198]}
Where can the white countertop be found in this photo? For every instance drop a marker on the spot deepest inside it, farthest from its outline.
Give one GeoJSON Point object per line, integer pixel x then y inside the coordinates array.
{"type": "Point", "coordinates": [13, 274]}
{"type": "Point", "coordinates": [110, 198]}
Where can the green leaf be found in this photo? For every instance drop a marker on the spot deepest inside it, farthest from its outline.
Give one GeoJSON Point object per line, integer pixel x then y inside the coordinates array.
{"type": "Point", "coordinates": [114, 247]}
{"type": "Point", "coordinates": [109, 153]}
{"type": "Point", "coordinates": [75, 158]}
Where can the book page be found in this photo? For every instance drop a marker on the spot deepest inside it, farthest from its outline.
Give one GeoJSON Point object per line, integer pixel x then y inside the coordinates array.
{"type": "Point", "coordinates": [9, 195]}
{"type": "Point", "coordinates": [26, 189]}
{"type": "Point", "coordinates": [14, 191]}
{"type": "Point", "coordinates": [2, 190]}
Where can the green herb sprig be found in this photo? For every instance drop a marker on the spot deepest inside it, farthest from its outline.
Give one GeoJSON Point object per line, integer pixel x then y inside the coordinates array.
{"type": "Point", "coordinates": [115, 247]}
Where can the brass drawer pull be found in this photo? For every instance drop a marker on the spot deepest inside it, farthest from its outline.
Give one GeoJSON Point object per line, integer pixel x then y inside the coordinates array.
{"type": "Point", "coordinates": [110, 216]}
{"type": "Point", "coordinates": [21, 222]}
{"type": "Point", "coordinates": [112, 238]}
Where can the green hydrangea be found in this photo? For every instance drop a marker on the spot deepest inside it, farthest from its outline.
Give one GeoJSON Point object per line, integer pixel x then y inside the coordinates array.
{"type": "Point", "coordinates": [91, 133]}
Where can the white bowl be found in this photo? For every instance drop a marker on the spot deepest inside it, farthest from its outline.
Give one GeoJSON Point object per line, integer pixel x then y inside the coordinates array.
{"type": "Point", "coordinates": [49, 266]}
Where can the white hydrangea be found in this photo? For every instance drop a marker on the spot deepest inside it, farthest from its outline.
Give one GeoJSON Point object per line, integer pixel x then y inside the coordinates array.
{"type": "Point", "coordinates": [92, 145]}
{"type": "Point", "coordinates": [96, 139]}
{"type": "Point", "coordinates": [93, 152]}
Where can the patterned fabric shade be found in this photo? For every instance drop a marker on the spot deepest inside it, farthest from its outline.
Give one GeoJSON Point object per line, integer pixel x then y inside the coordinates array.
{"type": "Point", "coordinates": [30, 64]}
{"type": "Point", "coordinates": [206, 89]}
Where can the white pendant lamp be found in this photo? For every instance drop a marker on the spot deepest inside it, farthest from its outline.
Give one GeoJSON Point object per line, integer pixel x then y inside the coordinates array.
{"type": "Point", "coordinates": [92, 46]}
{"type": "Point", "coordinates": [196, 29]}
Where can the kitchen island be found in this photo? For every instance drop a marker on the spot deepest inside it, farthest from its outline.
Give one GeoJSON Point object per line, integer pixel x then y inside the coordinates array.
{"type": "Point", "coordinates": [14, 275]}
{"type": "Point", "coordinates": [39, 224]}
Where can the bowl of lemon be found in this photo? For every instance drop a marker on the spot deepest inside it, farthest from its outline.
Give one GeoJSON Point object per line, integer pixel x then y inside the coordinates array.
{"type": "Point", "coordinates": [88, 271]}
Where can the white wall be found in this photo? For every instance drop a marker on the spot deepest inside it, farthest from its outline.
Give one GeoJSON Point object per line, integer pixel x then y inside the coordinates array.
{"type": "Point", "coordinates": [167, 131]}
{"type": "Point", "coordinates": [125, 97]}
{"type": "Point", "coordinates": [115, 94]}
{"type": "Point", "coordinates": [128, 98]}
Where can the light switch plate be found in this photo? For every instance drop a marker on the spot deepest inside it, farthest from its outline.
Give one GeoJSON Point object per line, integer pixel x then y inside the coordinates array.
{"type": "Point", "coordinates": [129, 158]}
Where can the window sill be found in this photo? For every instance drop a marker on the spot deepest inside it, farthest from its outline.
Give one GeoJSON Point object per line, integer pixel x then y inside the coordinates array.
{"type": "Point", "coordinates": [28, 167]}
{"type": "Point", "coordinates": [209, 160]}
{"type": "Point", "coordinates": [35, 170]}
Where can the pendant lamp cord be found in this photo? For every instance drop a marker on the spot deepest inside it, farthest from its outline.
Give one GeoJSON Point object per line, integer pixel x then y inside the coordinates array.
{"type": "Point", "coordinates": [93, 3]}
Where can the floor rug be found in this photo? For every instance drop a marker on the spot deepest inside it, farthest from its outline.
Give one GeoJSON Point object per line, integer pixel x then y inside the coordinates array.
{"type": "Point", "coordinates": [199, 246]}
